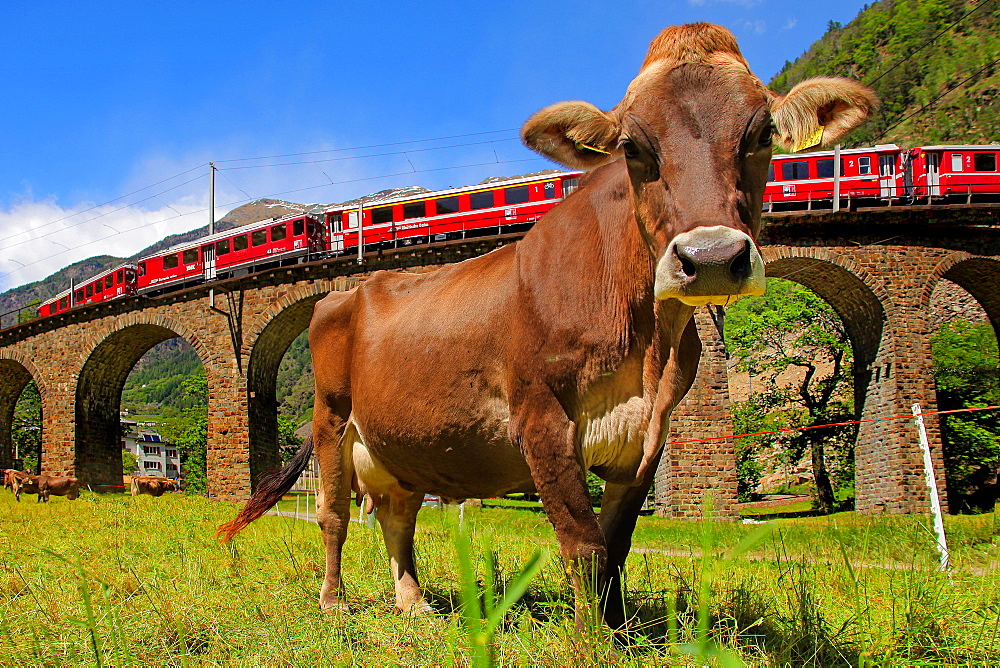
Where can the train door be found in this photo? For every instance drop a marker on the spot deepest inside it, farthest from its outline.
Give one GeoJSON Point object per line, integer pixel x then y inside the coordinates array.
{"type": "Point", "coordinates": [887, 175]}
{"type": "Point", "coordinates": [208, 259]}
{"type": "Point", "coordinates": [933, 169]}
{"type": "Point", "coordinates": [337, 229]}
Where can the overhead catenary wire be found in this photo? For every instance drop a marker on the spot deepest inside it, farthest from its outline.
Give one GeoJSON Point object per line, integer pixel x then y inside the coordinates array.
{"type": "Point", "coordinates": [279, 194]}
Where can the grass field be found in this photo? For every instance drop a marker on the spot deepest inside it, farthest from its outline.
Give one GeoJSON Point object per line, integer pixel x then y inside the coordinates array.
{"type": "Point", "coordinates": [113, 580]}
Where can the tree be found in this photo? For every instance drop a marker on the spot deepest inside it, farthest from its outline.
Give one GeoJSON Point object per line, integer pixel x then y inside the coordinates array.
{"type": "Point", "coordinates": [193, 440]}
{"type": "Point", "coordinates": [965, 370]}
{"type": "Point", "coordinates": [130, 462]}
{"type": "Point", "coordinates": [288, 441]}
{"type": "Point", "coordinates": [787, 328]}
{"type": "Point", "coordinates": [26, 430]}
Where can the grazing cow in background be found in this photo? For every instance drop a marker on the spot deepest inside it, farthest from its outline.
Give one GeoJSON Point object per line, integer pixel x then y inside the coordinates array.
{"type": "Point", "coordinates": [8, 478]}
{"type": "Point", "coordinates": [49, 485]}
{"type": "Point", "coordinates": [25, 483]}
{"type": "Point", "coordinates": [521, 370]}
{"type": "Point", "coordinates": [152, 485]}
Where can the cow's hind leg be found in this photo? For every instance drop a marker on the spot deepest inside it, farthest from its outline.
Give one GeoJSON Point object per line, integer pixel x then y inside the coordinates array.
{"type": "Point", "coordinates": [333, 503]}
{"type": "Point", "coordinates": [397, 515]}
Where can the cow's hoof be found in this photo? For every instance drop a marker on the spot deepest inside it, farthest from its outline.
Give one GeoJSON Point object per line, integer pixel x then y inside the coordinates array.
{"type": "Point", "coordinates": [418, 609]}
{"type": "Point", "coordinates": [335, 606]}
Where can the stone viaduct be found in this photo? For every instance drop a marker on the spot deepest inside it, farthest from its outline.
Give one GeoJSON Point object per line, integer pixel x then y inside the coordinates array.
{"type": "Point", "coordinates": [876, 268]}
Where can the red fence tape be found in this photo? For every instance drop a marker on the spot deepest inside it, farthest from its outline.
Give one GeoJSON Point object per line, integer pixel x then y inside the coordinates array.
{"type": "Point", "coordinates": [832, 424]}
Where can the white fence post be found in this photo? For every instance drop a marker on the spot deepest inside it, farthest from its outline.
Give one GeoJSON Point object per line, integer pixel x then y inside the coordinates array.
{"type": "Point", "coordinates": [942, 542]}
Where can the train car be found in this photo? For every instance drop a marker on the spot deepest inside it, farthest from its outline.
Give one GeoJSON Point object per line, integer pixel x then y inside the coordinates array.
{"type": "Point", "coordinates": [488, 208]}
{"type": "Point", "coordinates": [797, 180]}
{"type": "Point", "coordinates": [955, 172]}
{"type": "Point", "coordinates": [254, 247]}
{"type": "Point", "coordinates": [105, 286]}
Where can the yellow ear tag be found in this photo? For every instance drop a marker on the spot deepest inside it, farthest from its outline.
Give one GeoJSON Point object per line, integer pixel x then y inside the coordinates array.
{"type": "Point", "coordinates": [810, 140]}
{"type": "Point", "coordinates": [580, 145]}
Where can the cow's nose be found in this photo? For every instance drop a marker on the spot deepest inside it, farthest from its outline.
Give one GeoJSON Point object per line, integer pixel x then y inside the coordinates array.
{"type": "Point", "coordinates": [709, 265]}
{"type": "Point", "coordinates": [734, 258]}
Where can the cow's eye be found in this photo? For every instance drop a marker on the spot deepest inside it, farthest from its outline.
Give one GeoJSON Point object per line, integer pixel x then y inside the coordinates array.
{"type": "Point", "coordinates": [766, 137]}
{"type": "Point", "coordinates": [630, 149]}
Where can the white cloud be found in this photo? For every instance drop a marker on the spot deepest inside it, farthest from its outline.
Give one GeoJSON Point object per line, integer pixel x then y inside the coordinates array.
{"type": "Point", "coordinates": [757, 26]}
{"type": "Point", "coordinates": [38, 238]}
{"type": "Point", "coordinates": [791, 23]}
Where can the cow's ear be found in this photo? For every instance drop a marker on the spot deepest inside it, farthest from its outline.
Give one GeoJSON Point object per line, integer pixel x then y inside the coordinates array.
{"type": "Point", "coordinates": [576, 134]}
{"type": "Point", "coordinates": [820, 111]}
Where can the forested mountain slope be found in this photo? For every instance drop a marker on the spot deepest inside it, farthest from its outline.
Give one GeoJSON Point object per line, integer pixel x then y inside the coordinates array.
{"type": "Point", "coordinates": [935, 64]}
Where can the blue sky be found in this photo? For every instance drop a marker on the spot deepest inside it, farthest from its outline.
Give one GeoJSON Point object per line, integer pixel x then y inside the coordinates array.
{"type": "Point", "coordinates": [106, 99]}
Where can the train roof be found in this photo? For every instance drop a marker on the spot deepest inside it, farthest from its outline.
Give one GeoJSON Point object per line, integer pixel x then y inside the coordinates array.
{"type": "Point", "coordinates": [829, 154]}
{"type": "Point", "coordinates": [234, 231]}
{"type": "Point", "coordinates": [961, 147]}
{"type": "Point", "coordinates": [434, 194]}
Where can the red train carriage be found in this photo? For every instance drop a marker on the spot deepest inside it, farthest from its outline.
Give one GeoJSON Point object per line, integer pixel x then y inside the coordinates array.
{"type": "Point", "coordinates": [485, 209]}
{"type": "Point", "coordinates": [111, 284]}
{"type": "Point", "coordinates": [234, 252]}
{"type": "Point", "coordinates": [959, 172]}
{"type": "Point", "coordinates": [796, 180]}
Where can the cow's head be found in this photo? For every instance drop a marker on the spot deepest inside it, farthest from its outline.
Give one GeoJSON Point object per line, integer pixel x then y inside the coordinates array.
{"type": "Point", "coordinates": [695, 129]}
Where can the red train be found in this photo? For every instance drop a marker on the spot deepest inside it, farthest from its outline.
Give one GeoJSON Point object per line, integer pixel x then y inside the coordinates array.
{"type": "Point", "coordinates": [869, 176]}
{"type": "Point", "coordinates": [884, 173]}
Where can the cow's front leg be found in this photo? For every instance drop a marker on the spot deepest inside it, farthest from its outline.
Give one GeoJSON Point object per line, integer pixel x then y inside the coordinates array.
{"type": "Point", "coordinates": [397, 515]}
{"type": "Point", "coordinates": [333, 502]}
{"type": "Point", "coordinates": [620, 508]}
{"type": "Point", "coordinates": [547, 437]}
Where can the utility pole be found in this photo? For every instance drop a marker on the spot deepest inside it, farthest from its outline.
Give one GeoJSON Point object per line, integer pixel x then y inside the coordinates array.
{"type": "Point", "coordinates": [836, 178]}
{"type": "Point", "coordinates": [211, 198]}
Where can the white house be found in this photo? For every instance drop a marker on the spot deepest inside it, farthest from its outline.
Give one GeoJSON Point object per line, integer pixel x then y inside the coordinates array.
{"type": "Point", "coordinates": [156, 456]}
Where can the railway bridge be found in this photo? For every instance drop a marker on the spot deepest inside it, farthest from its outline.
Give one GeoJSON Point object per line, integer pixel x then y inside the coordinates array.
{"type": "Point", "coordinates": [876, 268]}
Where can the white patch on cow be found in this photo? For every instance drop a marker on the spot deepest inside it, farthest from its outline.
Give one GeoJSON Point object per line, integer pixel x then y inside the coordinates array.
{"type": "Point", "coordinates": [372, 477]}
{"type": "Point", "coordinates": [613, 420]}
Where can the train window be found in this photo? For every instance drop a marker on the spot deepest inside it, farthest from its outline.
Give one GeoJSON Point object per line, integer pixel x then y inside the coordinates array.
{"type": "Point", "coordinates": [824, 169]}
{"type": "Point", "coordinates": [120, 276]}
{"type": "Point", "coordinates": [864, 164]}
{"type": "Point", "coordinates": [129, 275]}
{"type": "Point", "coordinates": [414, 210]}
{"type": "Point", "coordinates": [90, 291]}
{"type": "Point", "coordinates": [793, 170]}
{"type": "Point", "coordinates": [142, 268]}
{"type": "Point", "coordinates": [516, 195]}
{"type": "Point", "coordinates": [98, 286]}
{"type": "Point", "coordinates": [956, 162]}
{"type": "Point", "coordinates": [382, 215]}
{"type": "Point", "coordinates": [222, 247]}
{"type": "Point", "coordinates": [984, 162]}
{"type": "Point", "coordinates": [550, 189]}
{"type": "Point", "coordinates": [79, 295]}
{"type": "Point", "coordinates": [483, 200]}
{"type": "Point", "coordinates": [191, 256]}
{"type": "Point", "coordinates": [170, 261]}
{"type": "Point", "coordinates": [770, 172]}
{"type": "Point", "coordinates": [109, 280]}
{"type": "Point", "coordinates": [279, 232]}
{"type": "Point", "coordinates": [569, 185]}
{"type": "Point", "coordinates": [352, 219]}
{"type": "Point", "coordinates": [258, 237]}
{"type": "Point", "coordinates": [240, 243]}
{"type": "Point", "coordinates": [315, 230]}
{"type": "Point", "coordinates": [337, 221]}
{"type": "Point", "coordinates": [298, 226]}
{"type": "Point", "coordinates": [446, 205]}
{"type": "Point", "coordinates": [64, 303]}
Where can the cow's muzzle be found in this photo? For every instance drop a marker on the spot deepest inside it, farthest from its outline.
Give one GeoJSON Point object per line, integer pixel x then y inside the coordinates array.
{"type": "Point", "coordinates": [709, 265]}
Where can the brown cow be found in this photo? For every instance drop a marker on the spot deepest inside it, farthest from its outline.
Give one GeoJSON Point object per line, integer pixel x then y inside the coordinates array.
{"type": "Point", "coordinates": [8, 478]}
{"type": "Point", "coordinates": [521, 370]}
{"type": "Point", "coordinates": [152, 485]}
{"type": "Point", "coordinates": [59, 486]}
{"type": "Point", "coordinates": [25, 483]}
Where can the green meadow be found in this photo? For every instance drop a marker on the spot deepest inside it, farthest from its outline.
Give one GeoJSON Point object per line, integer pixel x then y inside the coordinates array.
{"type": "Point", "coordinates": [116, 581]}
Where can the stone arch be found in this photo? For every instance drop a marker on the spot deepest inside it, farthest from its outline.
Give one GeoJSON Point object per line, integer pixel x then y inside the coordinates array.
{"type": "Point", "coordinates": [114, 351]}
{"type": "Point", "coordinates": [977, 275]}
{"type": "Point", "coordinates": [16, 371]}
{"type": "Point", "coordinates": [286, 320]}
{"type": "Point", "coordinates": [854, 294]}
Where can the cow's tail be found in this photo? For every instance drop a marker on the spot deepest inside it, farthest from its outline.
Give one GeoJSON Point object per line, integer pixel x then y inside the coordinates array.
{"type": "Point", "coordinates": [270, 490]}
